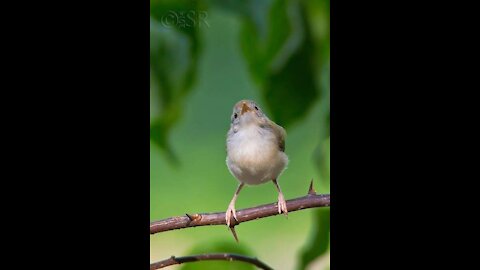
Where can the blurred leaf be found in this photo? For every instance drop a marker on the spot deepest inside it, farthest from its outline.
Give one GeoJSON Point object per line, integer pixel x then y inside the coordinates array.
{"type": "Point", "coordinates": [219, 247]}
{"type": "Point", "coordinates": [318, 12]}
{"type": "Point", "coordinates": [319, 240]}
{"type": "Point", "coordinates": [318, 15]}
{"type": "Point", "coordinates": [174, 48]}
{"type": "Point", "coordinates": [182, 15]}
{"type": "Point", "coordinates": [322, 161]}
{"type": "Point", "coordinates": [279, 59]}
{"type": "Point", "coordinates": [263, 34]}
{"type": "Point", "coordinates": [254, 12]}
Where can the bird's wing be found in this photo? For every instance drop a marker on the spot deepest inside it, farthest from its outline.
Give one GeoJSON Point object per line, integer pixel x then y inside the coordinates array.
{"type": "Point", "coordinates": [280, 133]}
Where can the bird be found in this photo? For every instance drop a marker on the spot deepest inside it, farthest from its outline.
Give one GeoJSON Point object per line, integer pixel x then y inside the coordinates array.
{"type": "Point", "coordinates": [255, 152]}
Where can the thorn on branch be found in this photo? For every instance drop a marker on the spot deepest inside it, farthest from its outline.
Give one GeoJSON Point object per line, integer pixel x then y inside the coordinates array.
{"type": "Point", "coordinates": [311, 191]}
{"type": "Point", "coordinates": [232, 229]}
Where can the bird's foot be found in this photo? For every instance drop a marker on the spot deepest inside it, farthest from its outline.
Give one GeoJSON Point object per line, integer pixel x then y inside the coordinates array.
{"type": "Point", "coordinates": [282, 205]}
{"type": "Point", "coordinates": [230, 212]}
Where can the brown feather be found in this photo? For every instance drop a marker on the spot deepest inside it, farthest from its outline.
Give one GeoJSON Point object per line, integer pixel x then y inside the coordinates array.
{"type": "Point", "coordinates": [280, 133]}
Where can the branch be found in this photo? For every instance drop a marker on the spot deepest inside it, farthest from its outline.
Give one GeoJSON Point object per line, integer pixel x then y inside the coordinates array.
{"type": "Point", "coordinates": [248, 214]}
{"type": "Point", "coordinates": [209, 257]}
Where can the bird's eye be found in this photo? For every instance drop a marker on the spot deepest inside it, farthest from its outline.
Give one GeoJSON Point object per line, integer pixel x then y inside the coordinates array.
{"type": "Point", "coordinates": [235, 116]}
{"type": "Point", "coordinates": [256, 108]}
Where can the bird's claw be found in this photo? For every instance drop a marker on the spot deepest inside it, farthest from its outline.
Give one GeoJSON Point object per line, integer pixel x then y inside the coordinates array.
{"type": "Point", "coordinates": [282, 205]}
{"type": "Point", "coordinates": [230, 212]}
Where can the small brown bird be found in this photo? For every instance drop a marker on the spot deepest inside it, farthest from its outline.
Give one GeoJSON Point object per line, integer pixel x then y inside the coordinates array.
{"type": "Point", "coordinates": [255, 151]}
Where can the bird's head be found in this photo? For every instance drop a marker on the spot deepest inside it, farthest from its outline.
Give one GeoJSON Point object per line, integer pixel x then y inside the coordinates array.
{"type": "Point", "coordinates": [247, 112]}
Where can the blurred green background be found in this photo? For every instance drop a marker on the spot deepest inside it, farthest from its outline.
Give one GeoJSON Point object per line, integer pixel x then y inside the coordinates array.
{"type": "Point", "coordinates": [204, 57]}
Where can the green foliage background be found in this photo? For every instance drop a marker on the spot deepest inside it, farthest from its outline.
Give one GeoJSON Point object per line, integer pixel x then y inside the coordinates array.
{"type": "Point", "coordinates": [275, 52]}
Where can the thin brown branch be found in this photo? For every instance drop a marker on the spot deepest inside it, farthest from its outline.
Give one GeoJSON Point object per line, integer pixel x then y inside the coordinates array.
{"type": "Point", "coordinates": [209, 257]}
{"type": "Point", "coordinates": [192, 220]}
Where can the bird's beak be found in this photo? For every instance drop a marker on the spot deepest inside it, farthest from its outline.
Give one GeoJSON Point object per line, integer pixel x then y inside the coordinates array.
{"type": "Point", "coordinates": [245, 108]}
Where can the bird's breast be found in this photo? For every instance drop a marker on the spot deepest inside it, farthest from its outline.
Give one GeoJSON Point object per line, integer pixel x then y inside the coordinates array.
{"type": "Point", "coordinates": [253, 156]}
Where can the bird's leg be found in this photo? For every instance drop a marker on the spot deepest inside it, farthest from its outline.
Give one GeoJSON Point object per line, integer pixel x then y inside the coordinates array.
{"type": "Point", "coordinates": [231, 207]}
{"type": "Point", "coordinates": [282, 205]}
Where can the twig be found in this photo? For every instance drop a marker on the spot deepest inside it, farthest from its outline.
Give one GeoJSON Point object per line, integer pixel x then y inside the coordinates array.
{"type": "Point", "coordinates": [192, 220]}
{"type": "Point", "coordinates": [209, 257]}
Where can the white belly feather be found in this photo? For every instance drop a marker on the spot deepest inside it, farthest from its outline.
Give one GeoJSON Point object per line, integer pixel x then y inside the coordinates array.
{"type": "Point", "coordinates": [254, 156]}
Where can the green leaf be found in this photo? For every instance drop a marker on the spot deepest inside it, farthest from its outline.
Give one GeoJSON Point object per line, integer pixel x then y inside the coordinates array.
{"type": "Point", "coordinates": [318, 15]}
{"type": "Point", "coordinates": [276, 43]}
{"type": "Point", "coordinates": [263, 34]}
{"type": "Point", "coordinates": [174, 48]}
{"type": "Point", "coordinates": [219, 247]}
{"type": "Point", "coordinates": [186, 16]}
{"type": "Point", "coordinates": [319, 240]}
{"type": "Point", "coordinates": [279, 54]}
{"type": "Point", "coordinates": [322, 161]}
